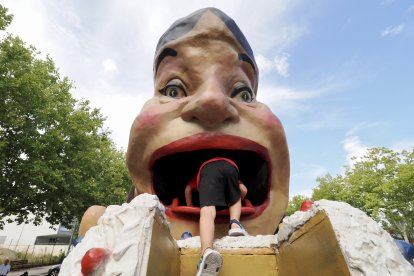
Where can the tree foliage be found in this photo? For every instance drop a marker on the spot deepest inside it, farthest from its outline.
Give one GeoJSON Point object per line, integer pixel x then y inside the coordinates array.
{"type": "Point", "coordinates": [5, 19]}
{"type": "Point", "coordinates": [380, 184]}
{"type": "Point", "coordinates": [56, 157]}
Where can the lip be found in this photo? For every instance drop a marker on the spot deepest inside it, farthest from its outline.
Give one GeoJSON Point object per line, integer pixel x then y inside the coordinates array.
{"type": "Point", "coordinates": [212, 141]}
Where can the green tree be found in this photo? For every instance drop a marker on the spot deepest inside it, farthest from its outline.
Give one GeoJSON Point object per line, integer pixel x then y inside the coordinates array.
{"type": "Point", "coordinates": [379, 184]}
{"type": "Point", "coordinates": [5, 19]}
{"type": "Point", "coordinates": [329, 188]}
{"type": "Point", "coordinates": [294, 204]}
{"type": "Point", "coordinates": [398, 208]}
{"type": "Point", "coordinates": [56, 157]}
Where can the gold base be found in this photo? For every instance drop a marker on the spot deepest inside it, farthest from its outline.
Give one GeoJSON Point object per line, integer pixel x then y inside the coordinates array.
{"type": "Point", "coordinates": [164, 254]}
{"type": "Point", "coordinates": [311, 250]}
{"type": "Point", "coordinates": [235, 263]}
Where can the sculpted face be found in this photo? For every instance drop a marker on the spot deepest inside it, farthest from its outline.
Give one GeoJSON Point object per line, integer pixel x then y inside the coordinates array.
{"type": "Point", "coordinates": [204, 105]}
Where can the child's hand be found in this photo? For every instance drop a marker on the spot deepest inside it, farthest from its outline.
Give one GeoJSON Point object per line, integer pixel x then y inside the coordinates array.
{"type": "Point", "coordinates": [243, 190]}
{"type": "Point", "coordinates": [188, 199]}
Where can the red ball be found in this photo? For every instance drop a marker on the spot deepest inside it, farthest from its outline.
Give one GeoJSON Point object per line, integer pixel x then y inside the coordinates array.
{"type": "Point", "coordinates": [93, 259]}
{"type": "Point", "coordinates": [306, 205]}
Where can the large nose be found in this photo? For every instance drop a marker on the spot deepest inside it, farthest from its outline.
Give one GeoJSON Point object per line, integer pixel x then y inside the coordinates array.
{"type": "Point", "coordinates": [210, 106]}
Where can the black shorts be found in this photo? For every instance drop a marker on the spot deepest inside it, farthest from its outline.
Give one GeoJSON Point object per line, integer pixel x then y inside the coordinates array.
{"type": "Point", "coordinates": [219, 185]}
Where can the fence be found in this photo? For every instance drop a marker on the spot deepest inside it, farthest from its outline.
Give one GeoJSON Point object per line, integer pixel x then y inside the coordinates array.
{"type": "Point", "coordinates": [54, 250]}
{"type": "Point", "coordinates": [34, 254]}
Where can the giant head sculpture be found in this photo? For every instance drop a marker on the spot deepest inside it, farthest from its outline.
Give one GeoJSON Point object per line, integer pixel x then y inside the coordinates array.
{"type": "Point", "coordinates": [204, 105]}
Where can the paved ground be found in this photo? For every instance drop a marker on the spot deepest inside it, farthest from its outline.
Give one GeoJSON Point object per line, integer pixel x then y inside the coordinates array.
{"type": "Point", "coordinates": [35, 271]}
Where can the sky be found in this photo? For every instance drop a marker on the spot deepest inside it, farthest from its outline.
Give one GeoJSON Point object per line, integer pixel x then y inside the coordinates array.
{"type": "Point", "coordinates": [339, 74]}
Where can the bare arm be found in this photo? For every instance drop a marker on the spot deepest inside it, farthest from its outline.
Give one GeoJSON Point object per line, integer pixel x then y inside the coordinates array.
{"type": "Point", "coordinates": [243, 190]}
{"type": "Point", "coordinates": [188, 198]}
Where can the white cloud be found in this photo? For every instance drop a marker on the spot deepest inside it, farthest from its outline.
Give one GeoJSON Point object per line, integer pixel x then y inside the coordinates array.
{"type": "Point", "coordinates": [293, 101]}
{"type": "Point", "coordinates": [303, 179]}
{"type": "Point", "coordinates": [25, 233]}
{"type": "Point", "coordinates": [282, 65]}
{"type": "Point", "coordinates": [109, 67]}
{"type": "Point", "coordinates": [328, 118]}
{"type": "Point", "coordinates": [392, 30]}
{"type": "Point", "coordinates": [123, 109]}
{"type": "Point", "coordinates": [266, 39]}
{"type": "Point", "coordinates": [107, 49]}
{"type": "Point", "coordinates": [403, 145]}
{"type": "Point", "coordinates": [120, 108]}
{"type": "Point", "coordinates": [362, 126]}
{"type": "Point", "coordinates": [353, 148]}
{"type": "Point", "coordinates": [387, 2]}
{"type": "Point", "coordinates": [311, 171]}
{"type": "Point", "coordinates": [265, 65]}
{"type": "Point", "coordinates": [411, 8]}
{"type": "Point", "coordinates": [284, 99]}
{"type": "Point", "coordinates": [304, 192]}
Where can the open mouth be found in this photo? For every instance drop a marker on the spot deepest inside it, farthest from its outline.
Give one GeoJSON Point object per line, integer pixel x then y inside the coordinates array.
{"type": "Point", "coordinates": [174, 165]}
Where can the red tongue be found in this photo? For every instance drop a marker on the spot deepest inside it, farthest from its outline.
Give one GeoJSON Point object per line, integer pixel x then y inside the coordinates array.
{"type": "Point", "coordinates": [93, 259]}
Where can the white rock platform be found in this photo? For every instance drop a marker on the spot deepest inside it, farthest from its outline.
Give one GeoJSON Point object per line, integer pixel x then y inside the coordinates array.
{"type": "Point", "coordinates": [332, 238]}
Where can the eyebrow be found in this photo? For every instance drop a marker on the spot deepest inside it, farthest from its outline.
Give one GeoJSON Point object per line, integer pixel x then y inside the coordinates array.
{"type": "Point", "coordinates": [165, 53]}
{"type": "Point", "coordinates": [246, 58]}
{"type": "Point", "coordinates": [173, 53]}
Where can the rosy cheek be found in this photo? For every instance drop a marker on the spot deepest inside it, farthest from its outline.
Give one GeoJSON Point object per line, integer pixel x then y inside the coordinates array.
{"type": "Point", "coordinates": [271, 120]}
{"type": "Point", "coordinates": [147, 119]}
{"type": "Point", "coordinates": [154, 117]}
{"type": "Point", "coordinates": [151, 116]}
{"type": "Point", "coordinates": [267, 119]}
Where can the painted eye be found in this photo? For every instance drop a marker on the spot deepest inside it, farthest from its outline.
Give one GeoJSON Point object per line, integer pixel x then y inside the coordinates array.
{"type": "Point", "coordinates": [174, 89]}
{"type": "Point", "coordinates": [243, 94]}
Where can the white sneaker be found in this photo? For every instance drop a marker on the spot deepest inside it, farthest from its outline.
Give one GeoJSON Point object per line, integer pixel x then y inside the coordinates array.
{"type": "Point", "coordinates": [210, 263]}
{"type": "Point", "coordinates": [235, 232]}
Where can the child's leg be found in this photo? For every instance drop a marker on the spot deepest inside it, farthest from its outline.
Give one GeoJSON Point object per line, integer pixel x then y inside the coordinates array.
{"type": "Point", "coordinates": [235, 211]}
{"type": "Point", "coordinates": [236, 229]}
{"type": "Point", "coordinates": [207, 217]}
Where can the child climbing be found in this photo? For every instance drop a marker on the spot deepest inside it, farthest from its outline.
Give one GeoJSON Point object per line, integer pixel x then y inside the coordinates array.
{"type": "Point", "coordinates": [219, 187]}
